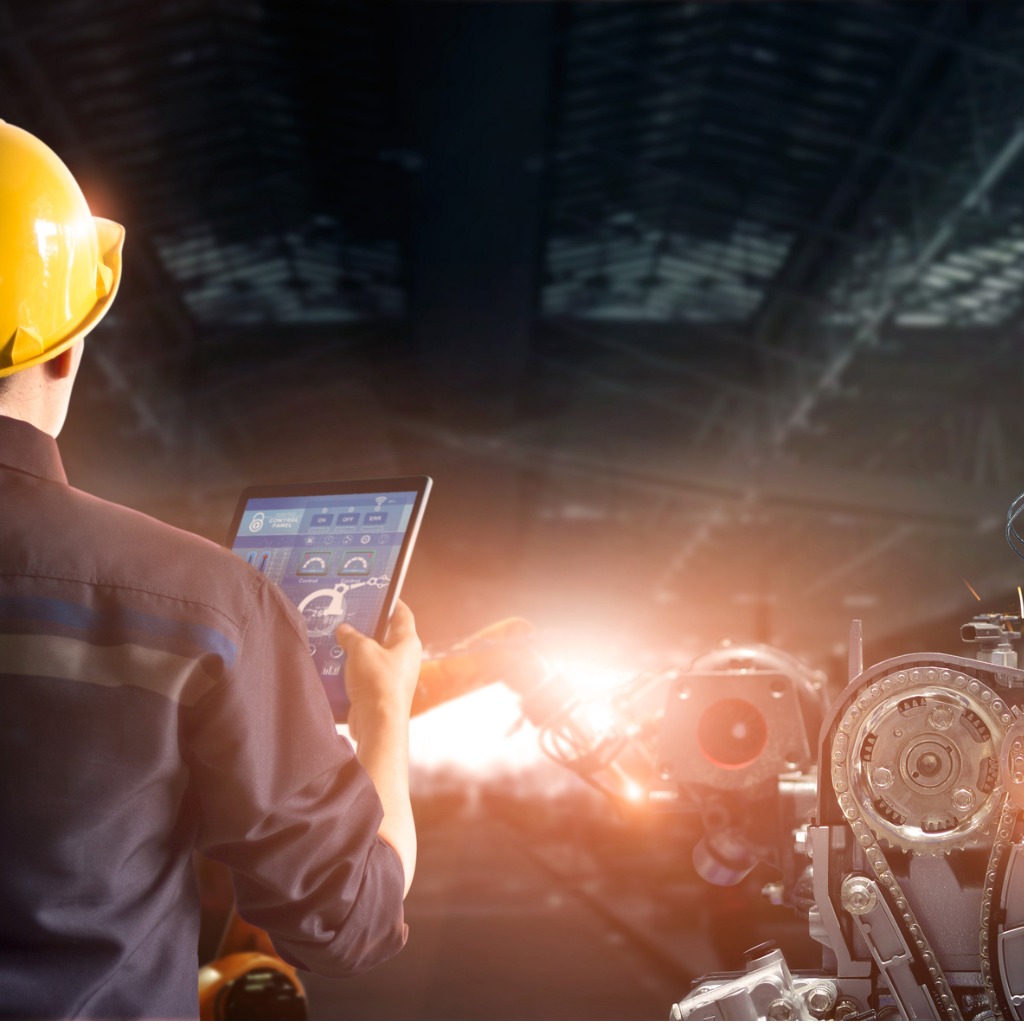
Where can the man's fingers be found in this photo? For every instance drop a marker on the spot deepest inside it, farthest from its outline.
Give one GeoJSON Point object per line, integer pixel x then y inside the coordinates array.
{"type": "Point", "coordinates": [401, 629]}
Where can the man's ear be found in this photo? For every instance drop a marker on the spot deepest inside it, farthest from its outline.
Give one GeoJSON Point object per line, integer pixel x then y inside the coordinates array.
{"type": "Point", "coordinates": [62, 365]}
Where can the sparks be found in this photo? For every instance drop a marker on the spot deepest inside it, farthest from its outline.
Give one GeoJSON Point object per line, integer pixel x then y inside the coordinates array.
{"type": "Point", "coordinates": [1020, 597]}
{"type": "Point", "coordinates": [970, 588]}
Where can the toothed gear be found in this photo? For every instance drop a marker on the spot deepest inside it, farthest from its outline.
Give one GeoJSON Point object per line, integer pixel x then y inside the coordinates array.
{"type": "Point", "coordinates": [1012, 760]}
{"type": "Point", "coordinates": [917, 757]}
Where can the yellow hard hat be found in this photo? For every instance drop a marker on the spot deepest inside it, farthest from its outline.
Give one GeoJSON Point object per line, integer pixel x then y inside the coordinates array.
{"type": "Point", "coordinates": [59, 265]}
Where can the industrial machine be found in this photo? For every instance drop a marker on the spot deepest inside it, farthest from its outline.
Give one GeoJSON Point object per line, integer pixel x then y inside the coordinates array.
{"type": "Point", "coordinates": [894, 816]}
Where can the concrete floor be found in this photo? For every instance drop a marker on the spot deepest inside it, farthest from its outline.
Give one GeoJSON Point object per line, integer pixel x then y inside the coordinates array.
{"type": "Point", "coordinates": [523, 911]}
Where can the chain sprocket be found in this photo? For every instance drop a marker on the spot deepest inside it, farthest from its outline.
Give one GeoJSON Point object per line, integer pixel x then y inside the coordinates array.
{"type": "Point", "coordinates": [917, 755]}
{"type": "Point", "coordinates": [935, 731]}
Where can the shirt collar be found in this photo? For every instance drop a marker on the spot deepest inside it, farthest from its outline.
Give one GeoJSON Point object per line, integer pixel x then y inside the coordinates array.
{"type": "Point", "coordinates": [30, 450]}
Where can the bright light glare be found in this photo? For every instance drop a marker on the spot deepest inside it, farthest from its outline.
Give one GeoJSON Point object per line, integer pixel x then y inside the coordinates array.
{"type": "Point", "coordinates": [476, 733]}
{"type": "Point", "coordinates": [634, 791]}
{"type": "Point", "coordinates": [46, 231]}
{"type": "Point", "coordinates": [589, 677]}
{"type": "Point", "coordinates": [596, 717]}
{"type": "Point", "coordinates": [483, 733]}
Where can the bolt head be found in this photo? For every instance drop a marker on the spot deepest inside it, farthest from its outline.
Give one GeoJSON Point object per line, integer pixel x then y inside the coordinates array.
{"type": "Point", "coordinates": [820, 1000]}
{"type": "Point", "coordinates": [940, 717]}
{"type": "Point", "coordinates": [846, 1007]}
{"type": "Point", "coordinates": [858, 895]}
{"type": "Point", "coordinates": [857, 899]}
{"type": "Point", "coordinates": [781, 1009]}
{"type": "Point", "coordinates": [963, 799]}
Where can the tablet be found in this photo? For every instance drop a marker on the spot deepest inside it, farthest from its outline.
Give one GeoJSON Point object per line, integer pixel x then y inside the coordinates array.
{"type": "Point", "coordinates": [339, 551]}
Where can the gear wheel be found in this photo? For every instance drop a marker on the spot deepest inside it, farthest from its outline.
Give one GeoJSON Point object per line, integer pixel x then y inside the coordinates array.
{"type": "Point", "coordinates": [1012, 760]}
{"type": "Point", "coordinates": [917, 756]}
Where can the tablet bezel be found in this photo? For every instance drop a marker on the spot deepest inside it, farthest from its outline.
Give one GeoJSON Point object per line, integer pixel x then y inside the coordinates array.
{"type": "Point", "coordinates": [420, 485]}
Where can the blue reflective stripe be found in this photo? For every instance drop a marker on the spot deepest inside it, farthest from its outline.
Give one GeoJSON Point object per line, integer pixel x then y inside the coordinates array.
{"type": "Point", "coordinates": [126, 624]}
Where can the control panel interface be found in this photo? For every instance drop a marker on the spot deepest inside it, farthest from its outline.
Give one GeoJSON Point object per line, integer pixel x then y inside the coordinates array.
{"type": "Point", "coordinates": [335, 557]}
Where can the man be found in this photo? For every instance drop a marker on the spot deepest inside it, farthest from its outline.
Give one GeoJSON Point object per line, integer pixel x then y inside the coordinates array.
{"type": "Point", "coordinates": [158, 696]}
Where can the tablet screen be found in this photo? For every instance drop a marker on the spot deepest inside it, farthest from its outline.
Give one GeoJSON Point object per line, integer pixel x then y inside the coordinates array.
{"type": "Point", "coordinates": [339, 555]}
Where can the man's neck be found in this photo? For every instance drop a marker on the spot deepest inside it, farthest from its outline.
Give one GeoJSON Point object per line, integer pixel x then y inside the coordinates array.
{"type": "Point", "coordinates": [40, 394]}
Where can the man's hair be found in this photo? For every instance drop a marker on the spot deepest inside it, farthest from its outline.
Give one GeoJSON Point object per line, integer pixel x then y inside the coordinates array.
{"type": "Point", "coordinates": [5, 383]}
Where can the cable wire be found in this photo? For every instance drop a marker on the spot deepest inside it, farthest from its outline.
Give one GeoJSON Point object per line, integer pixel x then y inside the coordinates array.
{"type": "Point", "coordinates": [1013, 538]}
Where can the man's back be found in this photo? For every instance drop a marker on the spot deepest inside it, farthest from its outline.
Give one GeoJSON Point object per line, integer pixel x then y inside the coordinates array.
{"type": "Point", "coordinates": [157, 697]}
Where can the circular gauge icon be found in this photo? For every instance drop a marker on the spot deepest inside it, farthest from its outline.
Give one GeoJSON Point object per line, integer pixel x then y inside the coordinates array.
{"type": "Point", "coordinates": [356, 563]}
{"type": "Point", "coordinates": [324, 611]}
{"type": "Point", "coordinates": [314, 563]}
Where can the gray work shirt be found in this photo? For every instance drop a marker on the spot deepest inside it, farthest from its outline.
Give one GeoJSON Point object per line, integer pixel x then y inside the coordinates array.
{"type": "Point", "coordinates": [156, 697]}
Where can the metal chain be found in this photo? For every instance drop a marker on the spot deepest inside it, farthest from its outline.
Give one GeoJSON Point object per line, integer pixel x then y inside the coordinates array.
{"type": "Point", "coordinates": [941, 993]}
{"type": "Point", "coordinates": [1000, 851]}
{"type": "Point", "coordinates": [938, 986]}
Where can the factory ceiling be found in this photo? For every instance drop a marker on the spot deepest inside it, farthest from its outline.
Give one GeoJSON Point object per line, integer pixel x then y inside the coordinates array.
{"type": "Point", "coordinates": [705, 317]}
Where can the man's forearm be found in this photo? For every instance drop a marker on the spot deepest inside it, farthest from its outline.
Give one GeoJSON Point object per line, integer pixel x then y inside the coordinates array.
{"type": "Point", "coordinates": [381, 680]}
{"type": "Point", "coordinates": [383, 750]}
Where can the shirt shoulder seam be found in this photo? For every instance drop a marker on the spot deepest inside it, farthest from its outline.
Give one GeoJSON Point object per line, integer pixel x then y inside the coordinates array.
{"type": "Point", "coordinates": [129, 588]}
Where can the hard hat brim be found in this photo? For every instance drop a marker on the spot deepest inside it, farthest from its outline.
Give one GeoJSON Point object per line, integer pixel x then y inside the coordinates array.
{"type": "Point", "coordinates": [110, 239]}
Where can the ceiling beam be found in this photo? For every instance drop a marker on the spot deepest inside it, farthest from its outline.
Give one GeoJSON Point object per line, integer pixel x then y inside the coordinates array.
{"type": "Point", "coordinates": [872, 319]}
{"type": "Point", "coordinates": [473, 88]}
{"type": "Point", "coordinates": [815, 255]}
{"type": "Point", "coordinates": [926, 504]}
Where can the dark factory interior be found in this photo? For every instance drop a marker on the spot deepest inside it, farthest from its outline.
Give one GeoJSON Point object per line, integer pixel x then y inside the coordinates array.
{"type": "Point", "coordinates": [704, 317]}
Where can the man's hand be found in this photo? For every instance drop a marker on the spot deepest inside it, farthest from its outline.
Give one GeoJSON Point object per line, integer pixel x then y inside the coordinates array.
{"type": "Point", "coordinates": [381, 680]}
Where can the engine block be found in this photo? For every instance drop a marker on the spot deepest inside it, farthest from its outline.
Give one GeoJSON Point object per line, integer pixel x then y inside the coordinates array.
{"type": "Point", "coordinates": [910, 864]}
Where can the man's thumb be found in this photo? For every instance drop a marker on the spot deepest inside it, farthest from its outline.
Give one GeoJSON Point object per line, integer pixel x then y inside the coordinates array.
{"type": "Point", "coordinates": [345, 634]}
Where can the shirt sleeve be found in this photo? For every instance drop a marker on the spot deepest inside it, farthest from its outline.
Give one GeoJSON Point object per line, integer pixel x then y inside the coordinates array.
{"type": "Point", "coordinates": [284, 803]}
